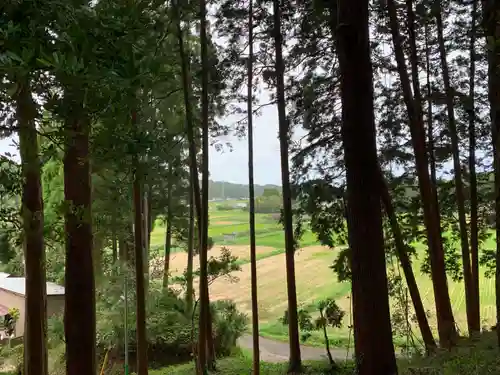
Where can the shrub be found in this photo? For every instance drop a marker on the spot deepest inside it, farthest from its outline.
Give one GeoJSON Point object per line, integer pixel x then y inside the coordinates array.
{"type": "Point", "coordinates": [226, 207]}
{"type": "Point", "coordinates": [267, 204]}
{"type": "Point", "coordinates": [169, 325]}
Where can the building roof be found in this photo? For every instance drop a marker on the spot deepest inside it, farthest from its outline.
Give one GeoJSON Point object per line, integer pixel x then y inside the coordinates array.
{"type": "Point", "coordinates": [18, 285]}
{"type": "Point", "coordinates": [4, 310]}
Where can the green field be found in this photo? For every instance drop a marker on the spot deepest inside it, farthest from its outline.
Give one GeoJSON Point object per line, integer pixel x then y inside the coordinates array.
{"type": "Point", "coordinates": [315, 280]}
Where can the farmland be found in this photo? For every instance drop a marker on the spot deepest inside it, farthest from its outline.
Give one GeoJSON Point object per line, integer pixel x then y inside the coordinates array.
{"type": "Point", "coordinates": [315, 279]}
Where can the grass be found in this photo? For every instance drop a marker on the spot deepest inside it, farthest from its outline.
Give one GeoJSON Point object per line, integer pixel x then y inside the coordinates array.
{"type": "Point", "coordinates": [314, 278]}
{"type": "Point", "coordinates": [469, 358]}
{"type": "Point", "coordinates": [243, 366]}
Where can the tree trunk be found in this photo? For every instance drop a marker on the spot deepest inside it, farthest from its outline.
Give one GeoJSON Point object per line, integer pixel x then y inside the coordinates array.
{"type": "Point", "coordinates": [168, 231]}
{"type": "Point", "coordinates": [295, 362]}
{"type": "Point", "coordinates": [141, 340]}
{"type": "Point", "coordinates": [114, 244]}
{"type": "Point", "coordinates": [423, 322]}
{"type": "Point", "coordinates": [150, 217]}
{"type": "Point", "coordinates": [491, 24]}
{"type": "Point", "coordinates": [190, 254]}
{"type": "Point", "coordinates": [204, 292]}
{"type": "Point", "coordinates": [145, 239]}
{"type": "Point", "coordinates": [35, 340]}
{"type": "Point", "coordinates": [459, 188]}
{"type": "Point", "coordinates": [251, 199]}
{"type": "Point", "coordinates": [79, 310]}
{"type": "Point", "coordinates": [430, 121]}
{"type": "Point", "coordinates": [327, 342]}
{"type": "Point", "coordinates": [122, 248]}
{"type": "Point", "coordinates": [369, 279]}
{"type": "Point", "coordinates": [474, 241]}
{"type": "Point", "coordinates": [446, 323]}
{"type": "Point", "coordinates": [186, 83]}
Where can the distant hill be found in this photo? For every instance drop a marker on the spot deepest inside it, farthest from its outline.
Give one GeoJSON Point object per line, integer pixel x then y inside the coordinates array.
{"type": "Point", "coordinates": [228, 190]}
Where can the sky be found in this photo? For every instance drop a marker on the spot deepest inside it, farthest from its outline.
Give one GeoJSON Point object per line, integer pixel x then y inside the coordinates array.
{"type": "Point", "coordinates": [232, 166]}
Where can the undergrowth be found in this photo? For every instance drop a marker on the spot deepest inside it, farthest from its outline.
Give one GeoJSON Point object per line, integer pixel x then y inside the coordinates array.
{"type": "Point", "coordinates": [479, 357]}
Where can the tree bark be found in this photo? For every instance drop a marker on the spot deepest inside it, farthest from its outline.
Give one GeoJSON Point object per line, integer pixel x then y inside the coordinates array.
{"type": "Point", "coordinates": [251, 196]}
{"type": "Point", "coordinates": [80, 319]}
{"type": "Point", "coordinates": [411, 282]}
{"type": "Point", "coordinates": [122, 249]}
{"type": "Point", "coordinates": [491, 24]}
{"type": "Point", "coordinates": [295, 362]}
{"type": "Point", "coordinates": [327, 342]}
{"type": "Point", "coordinates": [369, 279]}
{"type": "Point", "coordinates": [186, 83]}
{"type": "Point", "coordinates": [204, 292]}
{"type": "Point", "coordinates": [430, 121]}
{"type": "Point", "coordinates": [35, 340]}
{"type": "Point", "coordinates": [142, 345]}
{"type": "Point", "coordinates": [168, 231]}
{"type": "Point", "coordinates": [114, 243]}
{"type": "Point", "coordinates": [145, 238]}
{"type": "Point", "coordinates": [459, 188]}
{"type": "Point", "coordinates": [190, 254]}
{"type": "Point", "coordinates": [474, 241]}
{"type": "Point", "coordinates": [446, 323]}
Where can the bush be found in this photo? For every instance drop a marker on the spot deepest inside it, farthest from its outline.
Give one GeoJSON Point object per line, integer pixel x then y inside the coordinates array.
{"type": "Point", "coordinates": [267, 204]}
{"type": "Point", "coordinates": [169, 325]}
{"type": "Point", "coordinates": [226, 207]}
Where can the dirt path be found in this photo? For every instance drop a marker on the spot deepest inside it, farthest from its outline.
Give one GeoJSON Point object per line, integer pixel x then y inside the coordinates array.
{"type": "Point", "coordinates": [277, 351]}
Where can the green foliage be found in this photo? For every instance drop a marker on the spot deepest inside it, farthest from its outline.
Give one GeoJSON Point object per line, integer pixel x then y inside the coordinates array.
{"type": "Point", "coordinates": [229, 190]}
{"type": "Point", "coordinates": [241, 364]}
{"type": "Point", "coordinates": [7, 252]}
{"type": "Point", "coordinates": [270, 192]}
{"type": "Point", "coordinates": [170, 328]}
{"type": "Point", "coordinates": [227, 207]}
{"type": "Point", "coordinates": [270, 204]}
{"type": "Point", "coordinates": [330, 315]}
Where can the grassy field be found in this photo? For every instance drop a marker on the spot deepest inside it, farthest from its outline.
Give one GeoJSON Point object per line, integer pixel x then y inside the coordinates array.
{"type": "Point", "coordinates": [315, 280]}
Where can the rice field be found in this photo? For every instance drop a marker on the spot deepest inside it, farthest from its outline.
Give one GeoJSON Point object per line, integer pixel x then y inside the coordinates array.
{"type": "Point", "coordinates": [315, 280]}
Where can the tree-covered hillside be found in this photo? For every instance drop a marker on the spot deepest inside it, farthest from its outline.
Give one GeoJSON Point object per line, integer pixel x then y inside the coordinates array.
{"type": "Point", "coordinates": [225, 190]}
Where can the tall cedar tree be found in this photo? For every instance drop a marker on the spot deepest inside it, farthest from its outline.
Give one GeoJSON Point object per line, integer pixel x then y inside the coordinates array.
{"type": "Point", "coordinates": [35, 349]}
{"type": "Point", "coordinates": [79, 309]}
{"type": "Point", "coordinates": [293, 326]}
{"type": "Point", "coordinates": [446, 323]}
{"type": "Point", "coordinates": [491, 25]}
{"type": "Point", "coordinates": [190, 252]}
{"type": "Point", "coordinates": [140, 287]}
{"type": "Point", "coordinates": [186, 85]}
{"type": "Point", "coordinates": [205, 103]}
{"type": "Point", "coordinates": [404, 259]}
{"type": "Point", "coordinates": [457, 168]}
{"type": "Point", "coordinates": [168, 230]}
{"type": "Point", "coordinates": [474, 229]}
{"type": "Point", "coordinates": [369, 279]}
{"type": "Point", "coordinates": [430, 118]}
{"type": "Point", "coordinates": [251, 195]}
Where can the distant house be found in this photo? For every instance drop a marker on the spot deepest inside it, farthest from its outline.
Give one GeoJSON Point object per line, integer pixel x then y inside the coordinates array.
{"type": "Point", "coordinates": [13, 295]}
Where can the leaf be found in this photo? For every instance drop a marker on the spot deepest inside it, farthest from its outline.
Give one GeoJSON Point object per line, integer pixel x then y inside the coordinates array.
{"type": "Point", "coordinates": [13, 56]}
{"type": "Point", "coordinates": [44, 62]}
{"type": "Point", "coordinates": [12, 89]}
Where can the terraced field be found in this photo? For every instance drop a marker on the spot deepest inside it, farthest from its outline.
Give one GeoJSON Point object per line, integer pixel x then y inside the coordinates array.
{"type": "Point", "coordinates": [315, 280]}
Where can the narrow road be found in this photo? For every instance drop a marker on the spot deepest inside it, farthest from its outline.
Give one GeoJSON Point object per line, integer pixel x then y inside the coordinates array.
{"type": "Point", "coordinates": [277, 351]}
